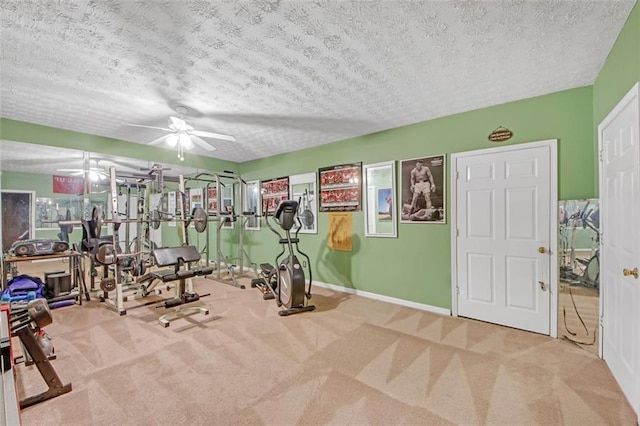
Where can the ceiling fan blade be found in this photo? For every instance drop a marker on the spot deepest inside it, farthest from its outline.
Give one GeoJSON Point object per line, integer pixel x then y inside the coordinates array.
{"type": "Point", "coordinates": [146, 127]}
{"type": "Point", "coordinates": [212, 135]}
{"type": "Point", "coordinates": [160, 139]}
{"type": "Point", "coordinates": [201, 143]}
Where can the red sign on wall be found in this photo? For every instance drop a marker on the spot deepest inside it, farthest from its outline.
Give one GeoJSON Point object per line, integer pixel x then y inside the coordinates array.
{"type": "Point", "coordinates": [67, 185]}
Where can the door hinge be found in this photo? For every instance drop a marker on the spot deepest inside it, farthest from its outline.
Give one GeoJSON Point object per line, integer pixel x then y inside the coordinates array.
{"type": "Point", "coordinates": [601, 154]}
{"type": "Point", "coordinates": [457, 290]}
{"type": "Point", "coordinates": [457, 175]}
{"type": "Point", "coordinates": [457, 232]}
{"type": "Point", "coordinates": [601, 321]}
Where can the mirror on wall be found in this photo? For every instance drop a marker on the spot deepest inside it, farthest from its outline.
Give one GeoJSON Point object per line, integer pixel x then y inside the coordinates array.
{"type": "Point", "coordinates": [302, 188]}
{"type": "Point", "coordinates": [228, 205]}
{"type": "Point", "coordinates": [579, 260]}
{"type": "Point", "coordinates": [380, 199]}
{"type": "Point", "coordinates": [56, 178]}
{"type": "Point", "coordinates": [252, 204]}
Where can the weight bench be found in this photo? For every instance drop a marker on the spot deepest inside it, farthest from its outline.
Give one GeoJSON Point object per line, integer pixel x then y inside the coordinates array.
{"type": "Point", "coordinates": [179, 258]}
{"type": "Point", "coordinates": [168, 275]}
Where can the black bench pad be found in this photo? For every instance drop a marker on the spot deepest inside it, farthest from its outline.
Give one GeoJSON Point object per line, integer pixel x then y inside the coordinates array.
{"type": "Point", "coordinates": [169, 256]}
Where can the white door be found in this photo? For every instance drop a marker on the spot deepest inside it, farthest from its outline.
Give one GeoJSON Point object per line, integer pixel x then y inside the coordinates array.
{"type": "Point", "coordinates": [620, 244]}
{"type": "Point", "coordinates": [505, 215]}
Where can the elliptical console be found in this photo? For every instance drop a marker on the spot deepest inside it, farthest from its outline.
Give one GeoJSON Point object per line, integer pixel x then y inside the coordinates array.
{"type": "Point", "coordinates": [287, 281]}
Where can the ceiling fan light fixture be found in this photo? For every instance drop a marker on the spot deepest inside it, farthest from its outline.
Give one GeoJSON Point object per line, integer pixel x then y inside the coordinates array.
{"type": "Point", "coordinates": [186, 142]}
{"type": "Point", "coordinates": [172, 141]}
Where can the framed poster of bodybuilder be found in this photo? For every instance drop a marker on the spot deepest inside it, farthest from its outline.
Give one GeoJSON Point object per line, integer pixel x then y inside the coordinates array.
{"type": "Point", "coordinates": [340, 187]}
{"type": "Point", "coordinates": [273, 192]}
{"type": "Point", "coordinates": [422, 190]}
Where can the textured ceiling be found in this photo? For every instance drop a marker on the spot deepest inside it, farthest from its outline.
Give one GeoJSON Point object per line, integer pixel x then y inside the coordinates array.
{"type": "Point", "coordinates": [286, 75]}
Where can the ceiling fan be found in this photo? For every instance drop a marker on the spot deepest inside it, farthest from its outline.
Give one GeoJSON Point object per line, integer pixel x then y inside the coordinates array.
{"type": "Point", "coordinates": [183, 136]}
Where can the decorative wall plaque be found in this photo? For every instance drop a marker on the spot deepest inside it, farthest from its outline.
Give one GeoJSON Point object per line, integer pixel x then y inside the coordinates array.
{"type": "Point", "coordinates": [500, 134]}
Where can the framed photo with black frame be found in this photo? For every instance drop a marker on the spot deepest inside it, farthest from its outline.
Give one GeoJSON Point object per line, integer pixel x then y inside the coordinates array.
{"type": "Point", "coordinates": [422, 190]}
{"type": "Point", "coordinates": [340, 188]}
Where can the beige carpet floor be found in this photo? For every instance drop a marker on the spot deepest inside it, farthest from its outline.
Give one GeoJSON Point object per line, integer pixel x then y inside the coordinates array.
{"type": "Point", "coordinates": [354, 361]}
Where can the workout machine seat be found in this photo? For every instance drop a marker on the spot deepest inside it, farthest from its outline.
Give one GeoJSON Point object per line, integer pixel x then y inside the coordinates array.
{"type": "Point", "coordinates": [178, 257]}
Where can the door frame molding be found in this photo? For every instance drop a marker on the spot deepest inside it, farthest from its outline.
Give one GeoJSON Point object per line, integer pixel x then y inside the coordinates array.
{"type": "Point", "coordinates": [552, 145]}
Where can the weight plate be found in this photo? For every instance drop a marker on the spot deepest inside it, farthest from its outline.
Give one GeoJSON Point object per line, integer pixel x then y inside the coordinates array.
{"type": "Point", "coordinates": [108, 284]}
{"type": "Point", "coordinates": [200, 219]}
{"type": "Point", "coordinates": [106, 255]}
{"type": "Point", "coordinates": [68, 217]}
{"type": "Point", "coordinates": [155, 219]}
{"type": "Point", "coordinates": [96, 218]}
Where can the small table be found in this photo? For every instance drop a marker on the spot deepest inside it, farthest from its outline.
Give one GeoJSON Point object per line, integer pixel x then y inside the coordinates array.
{"type": "Point", "coordinates": [9, 261]}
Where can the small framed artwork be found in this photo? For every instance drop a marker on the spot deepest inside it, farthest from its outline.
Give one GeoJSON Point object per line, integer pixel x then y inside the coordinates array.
{"type": "Point", "coordinates": [273, 192]}
{"type": "Point", "coordinates": [212, 200]}
{"type": "Point", "coordinates": [340, 187]}
{"type": "Point", "coordinates": [422, 190]}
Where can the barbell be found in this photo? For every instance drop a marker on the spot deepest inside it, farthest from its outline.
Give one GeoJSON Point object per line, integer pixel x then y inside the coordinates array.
{"type": "Point", "coordinates": [199, 217]}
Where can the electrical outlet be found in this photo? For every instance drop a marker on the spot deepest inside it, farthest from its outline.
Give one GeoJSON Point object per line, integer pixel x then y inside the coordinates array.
{"type": "Point", "coordinates": [304, 263]}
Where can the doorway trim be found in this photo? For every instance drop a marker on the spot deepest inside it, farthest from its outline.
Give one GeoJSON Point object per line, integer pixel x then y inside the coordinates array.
{"type": "Point", "coordinates": [553, 222]}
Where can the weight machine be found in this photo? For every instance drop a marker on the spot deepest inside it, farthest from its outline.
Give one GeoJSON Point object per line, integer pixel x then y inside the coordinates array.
{"type": "Point", "coordinates": [119, 268]}
{"type": "Point", "coordinates": [232, 267]}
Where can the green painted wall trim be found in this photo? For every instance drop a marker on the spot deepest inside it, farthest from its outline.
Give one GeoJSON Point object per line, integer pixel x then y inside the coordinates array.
{"type": "Point", "coordinates": [417, 265]}
{"type": "Point", "coordinates": [19, 131]}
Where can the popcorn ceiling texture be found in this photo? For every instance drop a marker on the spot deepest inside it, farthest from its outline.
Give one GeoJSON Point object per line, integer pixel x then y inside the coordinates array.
{"type": "Point", "coordinates": [286, 75]}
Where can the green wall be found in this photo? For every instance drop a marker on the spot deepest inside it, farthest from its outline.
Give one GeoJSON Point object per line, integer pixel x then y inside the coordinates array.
{"type": "Point", "coordinates": [618, 74]}
{"type": "Point", "coordinates": [620, 71]}
{"type": "Point", "coordinates": [417, 265]}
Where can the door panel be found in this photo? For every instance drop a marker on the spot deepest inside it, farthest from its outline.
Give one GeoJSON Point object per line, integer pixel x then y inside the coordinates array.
{"type": "Point", "coordinates": [480, 214]}
{"type": "Point", "coordinates": [481, 277]}
{"type": "Point", "coordinates": [620, 249]}
{"type": "Point", "coordinates": [503, 217]}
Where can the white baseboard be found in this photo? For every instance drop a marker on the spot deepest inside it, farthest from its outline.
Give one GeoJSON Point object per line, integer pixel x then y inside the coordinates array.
{"type": "Point", "coordinates": [382, 298]}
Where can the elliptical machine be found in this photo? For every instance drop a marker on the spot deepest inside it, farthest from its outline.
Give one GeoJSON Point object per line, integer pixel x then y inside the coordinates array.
{"type": "Point", "coordinates": [286, 283]}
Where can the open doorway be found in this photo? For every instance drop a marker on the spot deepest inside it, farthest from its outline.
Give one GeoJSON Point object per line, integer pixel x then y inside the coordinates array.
{"type": "Point", "coordinates": [579, 260]}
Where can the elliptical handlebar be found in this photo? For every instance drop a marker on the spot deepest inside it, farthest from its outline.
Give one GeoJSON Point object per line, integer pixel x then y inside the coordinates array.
{"type": "Point", "coordinates": [266, 220]}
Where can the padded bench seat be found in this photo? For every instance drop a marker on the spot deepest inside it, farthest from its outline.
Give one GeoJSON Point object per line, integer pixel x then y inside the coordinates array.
{"type": "Point", "coordinates": [175, 256]}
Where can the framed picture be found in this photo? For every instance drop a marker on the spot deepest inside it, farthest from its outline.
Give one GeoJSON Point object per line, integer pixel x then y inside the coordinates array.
{"type": "Point", "coordinates": [212, 200]}
{"type": "Point", "coordinates": [303, 190]}
{"type": "Point", "coordinates": [340, 187]}
{"type": "Point", "coordinates": [273, 192]}
{"type": "Point", "coordinates": [422, 190]}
